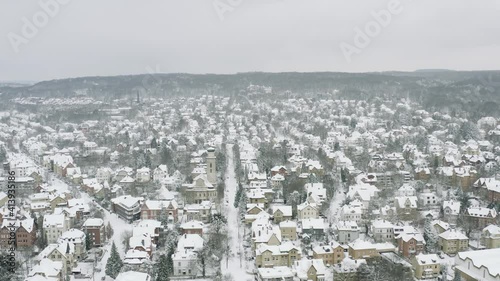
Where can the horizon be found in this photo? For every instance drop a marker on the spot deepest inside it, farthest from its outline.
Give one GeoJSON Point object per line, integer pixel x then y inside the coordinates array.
{"type": "Point", "coordinates": [27, 82]}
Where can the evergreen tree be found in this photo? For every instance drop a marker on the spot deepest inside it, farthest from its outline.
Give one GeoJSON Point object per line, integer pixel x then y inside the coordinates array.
{"type": "Point", "coordinates": [237, 198]}
{"type": "Point", "coordinates": [163, 217]}
{"type": "Point", "coordinates": [114, 264]}
{"type": "Point", "coordinates": [88, 241]}
{"type": "Point", "coordinates": [162, 269]}
{"type": "Point", "coordinates": [109, 231]}
{"type": "Point", "coordinates": [430, 236]}
{"type": "Point", "coordinates": [170, 262]}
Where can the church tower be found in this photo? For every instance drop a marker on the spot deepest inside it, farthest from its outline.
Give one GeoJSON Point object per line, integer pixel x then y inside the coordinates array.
{"type": "Point", "coordinates": [211, 169]}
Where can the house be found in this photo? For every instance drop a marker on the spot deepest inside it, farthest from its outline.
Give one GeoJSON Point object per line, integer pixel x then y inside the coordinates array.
{"type": "Point", "coordinates": [258, 196]}
{"type": "Point", "coordinates": [427, 198]}
{"type": "Point", "coordinates": [347, 231]}
{"type": "Point", "coordinates": [440, 226]}
{"type": "Point", "coordinates": [490, 236]}
{"type": "Point", "coordinates": [410, 244]}
{"type": "Point", "coordinates": [406, 190]}
{"type": "Point", "coordinates": [62, 252]}
{"type": "Point", "coordinates": [488, 188]}
{"type": "Point", "coordinates": [104, 174]}
{"type": "Point", "coordinates": [453, 241]}
{"type": "Point", "coordinates": [331, 254]}
{"type": "Point", "coordinates": [276, 255]}
{"type": "Point", "coordinates": [127, 207]}
{"type": "Point", "coordinates": [451, 209]}
{"type": "Point", "coordinates": [160, 173]}
{"type": "Point", "coordinates": [143, 175]}
{"type": "Point", "coordinates": [192, 227]}
{"type": "Point", "coordinates": [288, 230]}
{"type": "Point", "coordinates": [264, 232]}
{"type": "Point", "coordinates": [347, 269]}
{"type": "Point", "coordinates": [310, 270]}
{"type": "Point", "coordinates": [478, 265]}
{"type": "Point", "coordinates": [282, 213]}
{"type": "Point", "coordinates": [351, 213]}
{"type": "Point", "coordinates": [314, 228]}
{"type": "Point", "coordinates": [200, 212]}
{"type": "Point", "coordinates": [360, 249]}
{"type": "Point", "coordinates": [94, 227]}
{"type": "Point", "coordinates": [255, 211]}
{"type": "Point", "coordinates": [426, 266]}
{"type": "Point", "coordinates": [54, 226]}
{"type": "Point", "coordinates": [382, 231]}
{"type": "Point", "coordinates": [185, 257]}
{"type": "Point", "coordinates": [406, 207]}
{"type": "Point", "coordinates": [46, 270]}
{"type": "Point", "coordinates": [280, 170]}
{"type": "Point", "coordinates": [281, 273]}
{"type": "Point", "coordinates": [77, 237]}
{"type": "Point", "coordinates": [24, 230]}
{"type": "Point", "coordinates": [152, 209]}
{"type": "Point", "coordinates": [481, 217]}
{"type": "Point", "coordinates": [316, 193]}
{"type": "Point", "coordinates": [140, 242]}
{"type": "Point", "coordinates": [307, 211]}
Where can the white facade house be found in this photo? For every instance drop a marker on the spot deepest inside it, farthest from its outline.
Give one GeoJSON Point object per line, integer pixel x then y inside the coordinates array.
{"type": "Point", "coordinates": [54, 226]}
{"type": "Point", "coordinates": [185, 258]}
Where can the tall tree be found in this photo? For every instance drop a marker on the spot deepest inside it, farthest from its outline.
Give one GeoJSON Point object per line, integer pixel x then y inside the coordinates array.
{"type": "Point", "coordinates": [114, 264]}
{"type": "Point", "coordinates": [430, 236]}
{"type": "Point", "coordinates": [162, 269]}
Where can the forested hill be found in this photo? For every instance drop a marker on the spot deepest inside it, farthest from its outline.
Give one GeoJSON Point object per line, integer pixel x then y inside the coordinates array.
{"type": "Point", "coordinates": [477, 90]}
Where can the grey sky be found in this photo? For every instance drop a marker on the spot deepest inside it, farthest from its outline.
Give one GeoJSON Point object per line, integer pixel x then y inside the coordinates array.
{"type": "Point", "coordinates": [114, 37]}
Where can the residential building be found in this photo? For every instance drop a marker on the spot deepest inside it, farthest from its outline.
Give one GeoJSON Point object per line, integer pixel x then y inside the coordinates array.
{"type": "Point", "coordinates": [490, 236]}
{"type": "Point", "coordinates": [276, 255]}
{"type": "Point", "coordinates": [127, 207]}
{"type": "Point", "coordinates": [54, 226]}
{"type": "Point", "coordinates": [410, 244]}
{"type": "Point", "coordinates": [94, 227]}
{"type": "Point", "coordinates": [453, 241]}
{"type": "Point", "coordinates": [426, 266]}
{"type": "Point", "coordinates": [282, 213]}
{"type": "Point", "coordinates": [382, 231]}
{"type": "Point", "coordinates": [478, 265]}
{"type": "Point", "coordinates": [406, 207]}
{"type": "Point", "coordinates": [278, 273]}
{"type": "Point", "coordinates": [310, 270]}
{"type": "Point", "coordinates": [347, 231]}
{"type": "Point", "coordinates": [288, 230]}
{"type": "Point", "coordinates": [481, 217]}
{"type": "Point", "coordinates": [360, 249]}
{"type": "Point", "coordinates": [307, 211]}
{"type": "Point", "coordinates": [331, 254]}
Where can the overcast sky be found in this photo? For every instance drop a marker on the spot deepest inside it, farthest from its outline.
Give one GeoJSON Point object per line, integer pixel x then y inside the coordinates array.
{"type": "Point", "coordinates": [115, 37]}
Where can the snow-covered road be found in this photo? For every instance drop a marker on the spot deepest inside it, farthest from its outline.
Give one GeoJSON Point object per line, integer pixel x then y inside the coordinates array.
{"type": "Point", "coordinates": [236, 264]}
